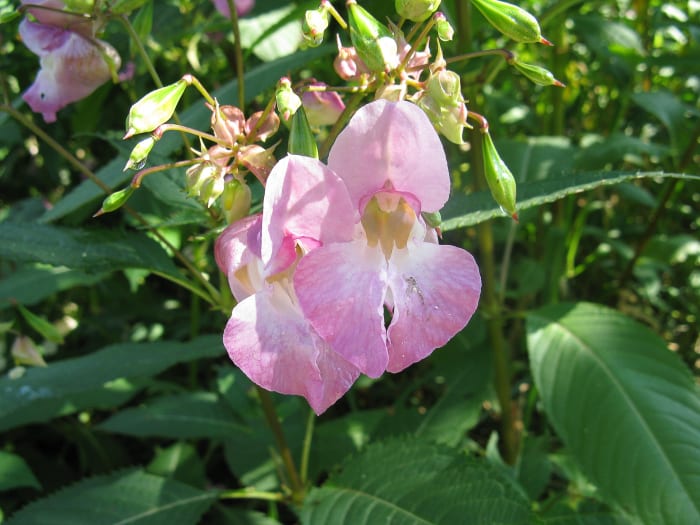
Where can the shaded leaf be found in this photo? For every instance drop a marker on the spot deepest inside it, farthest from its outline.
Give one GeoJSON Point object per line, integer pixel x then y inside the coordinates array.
{"type": "Point", "coordinates": [626, 408]}
{"type": "Point", "coordinates": [14, 472]}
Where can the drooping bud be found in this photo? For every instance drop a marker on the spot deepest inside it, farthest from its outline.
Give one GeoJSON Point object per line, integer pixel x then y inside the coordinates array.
{"type": "Point", "coordinates": [445, 30]}
{"type": "Point", "coordinates": [322, 107]}
{"type": "Point", "coordinates": [347, 64]}
{"type": "Point", "coordinates": [256, 130]}
{"type": "Point", "coordinates": [154, 109]}
{"type": "Point", "coordinates": [416, 10]}
{"type": "Point", "coordinates": [115, 200]}
{"type": "Point", "coordinates": [235, 200]}
{"type": "Point", "coordinates": [301, 139]}
{"type": "Point", "coordinates": [445, 88]}
{"type": "Point", "coordinates": [139, 154]}
{"type": "Point", "coordinates": [288, 102]}
{"type": "Point", "coordinates": [25, 352]}
{"type": "Point", "coordinates": [212, 188]}
{"type": "Point", "coordinates": [196, 175]}
{"type": "Point", "coordinates": [511, 20]}
{"type": "Point", "coordinates": [315, 25]}
{"type": "Point", "coordinates": [373, 41]}
{"type": "Point", "coordinates": [499, 178]}
{"type": "Point", "coordinates": [536, 74]}
{"type": "Point", "coordinates": [227, 123]}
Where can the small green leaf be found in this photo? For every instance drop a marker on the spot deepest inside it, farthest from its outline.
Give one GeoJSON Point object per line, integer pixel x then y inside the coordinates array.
{"type": "Point", "coordinates": [41, 325]}
{"type": "Point", "coordinates": [14, 472]}
{"type": "Point", "coordinates": [626, 408]}
{"type": "Point", "coordinates": [132, 497]}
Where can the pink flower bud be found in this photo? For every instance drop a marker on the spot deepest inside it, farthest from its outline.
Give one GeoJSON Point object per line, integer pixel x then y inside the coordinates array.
{"type": "Point", "coordinates": [322, 107]}
{"type": "Point", "coordinates": [227, 123]}
{"type": "Point", "coordinates": [265, 129]}
{"type": "Point", "coordinates": [347, 64]}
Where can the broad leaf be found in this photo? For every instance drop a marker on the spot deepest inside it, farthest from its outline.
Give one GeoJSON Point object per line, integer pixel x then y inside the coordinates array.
{"type": "Point", "coordinates": [69, 385]}
{"type": "Point", "coordinates": [14, 472]}
{"type": "Point", "coordinates": [410, 481]}
{"type": "Point", "coordinates": [132, 497]}
{"type": "Point", "coordinates": [191, 415]}
{"type": "Point", "coordinates": [467, 210]}
{"type": "Point", "coordinates": [626, 408]}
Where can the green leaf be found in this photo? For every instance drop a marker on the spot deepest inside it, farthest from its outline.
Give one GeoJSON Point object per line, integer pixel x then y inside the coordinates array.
{"type": "Point", "coordinates": [669, 109]}
{"type": "Point", "coordinates": [132, 497]}
{"type": "Point", "coordinates": [273, 34]}
{"type": "Point", "coordinates": [626, 408]}
{"type": "Point", "coordinates": [14, 472]}
{"type": "Point", "coordinates": [180, 462]}
{"type": "Point", "coordinates": [191, 415]}
{"type": "Point", "coordinates": [402, 481]}
{"type": "Point", "coordinates": [69, 385]}
{"type": "Point", "coordinates": [586, 513]}
{"type": "Point", "coordinates": [197, 116]}
{"type": "Point", "coordinates": [41, 325]}
{"type": "Point", "coordinates": [92, 250]}
{"type": "Point", "coordinates": [30, 285]}
{"type": "Point", "coordinates": [482, 207]}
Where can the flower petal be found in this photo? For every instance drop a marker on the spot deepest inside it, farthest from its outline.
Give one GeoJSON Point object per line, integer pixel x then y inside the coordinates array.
{"type": "Point", "coordinates": [341, 290]}
{"type": "Point", "coordinates": [237, 251]}
{"type": "Point", "coordinates": [304, 202]}
{"type": "Point", "coordinates": [435, 290]}
{"type": "Point", "coordinates": [268, 338]}
{"type": "Point", "coordinates": [242, 7]}
{"type": "Point", "coordinates": [392, 142]}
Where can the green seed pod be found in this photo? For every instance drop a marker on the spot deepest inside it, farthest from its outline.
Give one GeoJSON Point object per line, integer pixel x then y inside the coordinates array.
{"type": "Point", "coordinates": [499, 178]}
{"type": "Point", "coordinates": [301, 139]}
{"type": "Point", "coordinates": [235, 200]}
{"type": "Point", "coordinates": [374, 43]}
{"type": "Point", "coordinates": [140, 153]}
{"type": "Point", "coordinates": [511, 20]}
{"type": "Point", "coordinates": [416, 10]}
{"type": "Point", "coordinates": [115, 200]}
{"type": "Point", "coordinates": [154, 109]}
{"type": "Point", "coordinates": [536, 74]}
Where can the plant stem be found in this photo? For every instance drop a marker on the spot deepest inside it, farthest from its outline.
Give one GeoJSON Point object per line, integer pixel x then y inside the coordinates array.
{"type": "Point", "coordinates": [285, 452]}
{"type": "Point", "coordinates": [248, 493]}
{"type": "Point", "coordinates": [306, 447]}
{"type": "Point", "coordinates": [239, 53]}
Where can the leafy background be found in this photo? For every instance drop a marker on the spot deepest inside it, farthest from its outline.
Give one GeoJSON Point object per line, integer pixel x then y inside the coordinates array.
{"type": "Point", "coordinates": [594, 298]}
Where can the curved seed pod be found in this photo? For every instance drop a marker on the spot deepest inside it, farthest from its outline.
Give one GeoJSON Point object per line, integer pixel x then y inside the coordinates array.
{"type": "Point", "coordinates": [512, 21]}
{"type": "Point", "coordinates": [499, 178]}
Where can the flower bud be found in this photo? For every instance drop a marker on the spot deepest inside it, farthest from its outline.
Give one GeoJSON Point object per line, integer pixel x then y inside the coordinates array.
{"type": "Point", "coordinates": [445, 30]}
{"type": "Point", "coordinates": [235, 200]}
{"type": "Point", "coordinates": [139, 154]}
{"type": "Point", "coordinates": [196, 175]}
{"type": "Point", "coordinates": [536, 74]}
{"type": "Point", "coordinates": [445, 88]}
{"type": "Point", "coordinates": [315, 25]}
{"type": "Point", "coordinates": [416, 10]}
{"type": "Point", "coordinates": [25, 352]}
{"type": "Point", "coordinates": [154, 109]}
{"type": "Point", "coordinates": [227, 123]}
{"type": "Point", "coordinates": [212, 188]}
{"type": "Point", "coordinates": [115, 200]}
{"type": "Point", "coordinates": [258, 160]}
{"type": "Point", "coordinates": [373, 41]}
{"type": "Point", "coordinates": [264, 129]}
{"type": "Point", "coordinates": [288, 102]}
{"type": "Point", "coordinates": [301, 139]}
{"type": "Point", "coordinates": [323, 108]}
{"type": "Point", "coordinates": [347, 64]}
{"type": "Point", "coordinates": [511, 20]}
{"type": "Point", "coordinates": [499, 178]}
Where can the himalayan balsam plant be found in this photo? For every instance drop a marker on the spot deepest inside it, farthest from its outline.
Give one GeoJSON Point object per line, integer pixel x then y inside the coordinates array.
{"type": "Point", "coordinates": [275, 315]}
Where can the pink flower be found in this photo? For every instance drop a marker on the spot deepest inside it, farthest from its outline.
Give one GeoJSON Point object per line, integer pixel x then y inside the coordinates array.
{"type": "Point", "coordinates": [73, 63]}
{"type": "Point", "coordinates": [267, 336]}
{"type": "Point", "coordinates": [323, 108]}
{"type": "Point", "coordinates": [243, 7]}
{"type": "Point", "coordinates": [394, 167]}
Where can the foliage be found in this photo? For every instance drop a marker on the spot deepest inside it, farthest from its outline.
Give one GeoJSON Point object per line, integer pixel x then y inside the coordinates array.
{"type": "Point", "coordinates": [572, 395]}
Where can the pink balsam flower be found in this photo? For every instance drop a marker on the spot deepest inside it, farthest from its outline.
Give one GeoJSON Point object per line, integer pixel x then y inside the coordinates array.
{"type": "Point", "coordinates": [394, 167]}
{"type": "Point", "coordinates": [267, 336]}
{"type": "Point", "coordinates": [243, 7]}
{"type": "Point", "coordinates": [73, 62]}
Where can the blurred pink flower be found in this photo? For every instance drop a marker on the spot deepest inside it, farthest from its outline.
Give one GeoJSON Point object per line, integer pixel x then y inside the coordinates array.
{"type": "Point", "coordinates": [323, 108]}
{"type": "Point", "coordinates": [394, 167]}
{"type": "Point", "coordinates": [243, 7]}
{"type": "Point", "coordinates": [267, 336]}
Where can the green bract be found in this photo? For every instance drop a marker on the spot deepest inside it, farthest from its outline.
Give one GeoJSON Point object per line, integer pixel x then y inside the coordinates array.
{"type": "Point", "coordinates": [301, 138]}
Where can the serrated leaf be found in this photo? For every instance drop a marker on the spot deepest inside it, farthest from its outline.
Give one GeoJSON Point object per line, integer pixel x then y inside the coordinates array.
{"type": "Point", "coordinates": [132, 497]}
{"type": "Point", "coordinates": [40, 394]}
{"type": "Point", "coordinates": [197, 116]}
{"type": "Point", "coordinates": [404, 481]}
{"type": "Point", "coordinates": [182, 416]}
{"type": "Point", "coordinates": [626, 408]}
{"type": "Point", "coordinates": [14, 472]}
{"type": "Point", "coordinates": [482, 207]}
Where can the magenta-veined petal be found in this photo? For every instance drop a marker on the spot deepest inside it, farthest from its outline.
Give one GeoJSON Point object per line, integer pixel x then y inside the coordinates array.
{"type": "Point", "coordinates": [237, 253]}
{"type": "Point", "coordinates": [341, 290]}
{"type": "Point", "coordinates": [394, 143]}
{"type": "Point", "coordinates": [435, 290]}
{"type": "Point", "coordinates": [268, 338]}
{"type": "Point", "coordinates": [304, 203]}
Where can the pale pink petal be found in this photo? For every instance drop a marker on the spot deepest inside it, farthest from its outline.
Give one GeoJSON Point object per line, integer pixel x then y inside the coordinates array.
{"type": "Point", "coordinates": [268, 338]}
{"type": "Point", "coordinates": [237, 253]}
{"type": "Point", "coordinates": [341, 290]}
{"type": "Point", "coordinates": [394, 143]}
{"type": "Point", "coordinates": [304, 203]}
{"type": "Point", "coordinates": [71, 67]}
{"type": "Point", "coordinates": [243, 7]}
{"type": "Point", "coordinates": [435, 290]}
{"type": "Point", "coordinates": [63, 20]}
